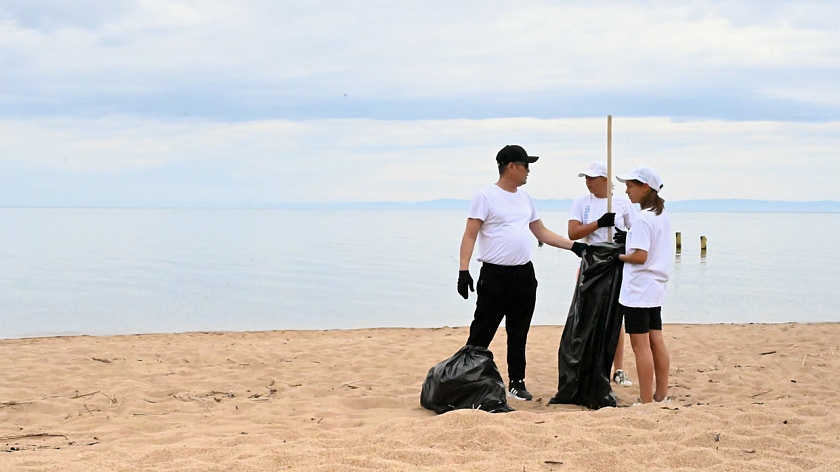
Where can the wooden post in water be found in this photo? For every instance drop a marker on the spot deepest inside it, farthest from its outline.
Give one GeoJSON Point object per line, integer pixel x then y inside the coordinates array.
{"type": "Point", "coordinates": [609, 175]}
{"type": "Point", "coordinates": [679, 242]}
{"type": "Point", "coordinates": [702, 245]}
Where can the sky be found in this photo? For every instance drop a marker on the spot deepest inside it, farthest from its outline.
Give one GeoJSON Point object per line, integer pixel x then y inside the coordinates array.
{"type": "Point", "coordinates": [256, 103]}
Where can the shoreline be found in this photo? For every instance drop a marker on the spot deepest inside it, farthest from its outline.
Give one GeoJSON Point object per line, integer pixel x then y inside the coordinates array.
{"type": "Point", "coordinates": [501, 330]}
{"type": "Point", "coordinates": [744, 397]}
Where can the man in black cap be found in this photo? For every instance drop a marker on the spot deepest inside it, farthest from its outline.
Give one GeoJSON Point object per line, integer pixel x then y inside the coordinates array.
{"type": "Point", "coordinates": [503, 219]}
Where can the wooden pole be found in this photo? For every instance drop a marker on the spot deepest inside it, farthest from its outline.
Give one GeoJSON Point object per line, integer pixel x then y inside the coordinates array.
{"type": "Point", "coordinates": [609, 173]}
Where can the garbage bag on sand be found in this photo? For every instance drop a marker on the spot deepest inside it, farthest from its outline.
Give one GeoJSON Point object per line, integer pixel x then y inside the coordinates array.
{"type": "Point", "coordinates": [469, 379]}
{"type": "Point", "coordinates": [590, 336]}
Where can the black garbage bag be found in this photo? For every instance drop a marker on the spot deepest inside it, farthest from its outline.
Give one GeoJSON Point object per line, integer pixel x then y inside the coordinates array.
{"type": "Point", "coordinates": [589, 339]}
{"type": "Point", "coordinates": [468, 379]}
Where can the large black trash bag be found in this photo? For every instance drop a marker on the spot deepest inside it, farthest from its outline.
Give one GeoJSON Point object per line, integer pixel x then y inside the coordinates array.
{"type": "Point", "coordinates": [468, 379]}
{"type": "Point", "coordinates": [589, 339]}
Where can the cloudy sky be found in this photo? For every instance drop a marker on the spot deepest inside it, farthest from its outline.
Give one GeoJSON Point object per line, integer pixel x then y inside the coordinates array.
{"type": "Point", "coordinates": [238, 103]}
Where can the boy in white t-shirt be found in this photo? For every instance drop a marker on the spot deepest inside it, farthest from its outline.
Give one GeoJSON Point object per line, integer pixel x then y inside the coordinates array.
{"type": "Point", "coordinates": [647, 265]}
{"type": "Point", "coordinates": [589, 221]}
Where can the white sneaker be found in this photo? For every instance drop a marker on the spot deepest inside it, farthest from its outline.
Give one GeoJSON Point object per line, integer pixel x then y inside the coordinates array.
{"type": "Point", "coordinates": [621, 378]}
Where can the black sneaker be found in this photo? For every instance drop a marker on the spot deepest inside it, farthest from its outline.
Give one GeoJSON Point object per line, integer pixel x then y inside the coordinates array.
{"type": "Point", "coordinates": [518, 390]}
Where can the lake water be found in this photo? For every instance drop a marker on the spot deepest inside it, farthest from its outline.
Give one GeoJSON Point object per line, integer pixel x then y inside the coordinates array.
{"type": "Point", "coordinates": [122, 271]}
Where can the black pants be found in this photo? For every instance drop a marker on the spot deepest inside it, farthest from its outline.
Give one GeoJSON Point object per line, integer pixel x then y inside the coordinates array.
{"type": "Point", "coordinates": [508, 292]}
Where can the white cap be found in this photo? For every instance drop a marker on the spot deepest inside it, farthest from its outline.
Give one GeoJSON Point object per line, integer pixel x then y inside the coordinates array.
{"type": "Point", "coordinates": [643, 174]}
{"type": "Point", "coordinates": [596, 169]}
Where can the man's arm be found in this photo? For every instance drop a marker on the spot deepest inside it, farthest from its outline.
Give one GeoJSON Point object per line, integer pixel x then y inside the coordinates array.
{"type": "Point", "coordinates": [549, 237]}
{"type": "Point", "coordinates": [468, 242]}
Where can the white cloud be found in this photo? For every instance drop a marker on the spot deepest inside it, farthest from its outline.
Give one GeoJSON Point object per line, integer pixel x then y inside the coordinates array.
{"type": "Point", "coordinates": [368, 160]}
{"type": "Point", "coordinates": [219, 102]}
{"type": "Point", "coordinates": [414, 50]}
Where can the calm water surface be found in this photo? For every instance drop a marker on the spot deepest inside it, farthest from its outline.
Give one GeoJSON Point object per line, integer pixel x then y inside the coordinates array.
{"type": "Point", "coordinates": [120, 271]}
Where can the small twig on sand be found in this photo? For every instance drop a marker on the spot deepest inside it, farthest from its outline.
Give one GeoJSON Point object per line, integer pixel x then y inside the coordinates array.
{"type": "Point", "coordinates": [33, 435]}
{"type": "Point", "coordinates": [111, 400]}
{"type": "Point", "coordinates": [13, 403]}
{"type": "Point", "coordinates": [349, 384]}
{"type": "Point", "coordinates": [264, 396]}
{"type": "Point", "coordinates": [760, 393]}
{"type": "Point", "coordinates": [214, 393]}
{"type": "Point", "coordinates": [85, 395]}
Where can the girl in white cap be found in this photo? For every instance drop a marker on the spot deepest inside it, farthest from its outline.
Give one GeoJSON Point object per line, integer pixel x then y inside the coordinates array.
{"type": "Point", "coordinates": [647, 265]}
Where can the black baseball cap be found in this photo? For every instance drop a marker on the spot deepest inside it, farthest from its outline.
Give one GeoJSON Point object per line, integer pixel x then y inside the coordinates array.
{"type": "Point", "coordinates": [514, 153]}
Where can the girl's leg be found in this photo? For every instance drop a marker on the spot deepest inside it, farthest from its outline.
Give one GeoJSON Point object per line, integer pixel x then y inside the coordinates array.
{"type": "Point", "coordinates": [618, 359]}
{"type": "Point", "coordinates": [661, 363]}
{"type": "Point", "coordinates": [644, 365]}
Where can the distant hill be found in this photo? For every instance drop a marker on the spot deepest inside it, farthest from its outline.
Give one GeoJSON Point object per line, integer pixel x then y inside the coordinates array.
{"type": "Point", "coordinates": [442, 204]}
{"type": "Point", "coordinates": [825, 206]}
{"type": "Point", "coordinates": [730, 205]}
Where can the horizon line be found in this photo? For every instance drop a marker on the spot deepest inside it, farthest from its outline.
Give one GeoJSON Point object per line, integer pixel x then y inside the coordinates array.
{"type": "Point", "coordinates": [712, 205]}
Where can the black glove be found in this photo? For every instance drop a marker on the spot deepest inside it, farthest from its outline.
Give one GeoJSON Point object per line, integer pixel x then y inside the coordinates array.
{"type": "Point", "coordinates": [464, 281]}
{"type": "Point", "coordinates": [578, 248]}
{"type": "Point", "coordinates": [620, 237]}
{"type": "Point", "coordinates": [607, 220]}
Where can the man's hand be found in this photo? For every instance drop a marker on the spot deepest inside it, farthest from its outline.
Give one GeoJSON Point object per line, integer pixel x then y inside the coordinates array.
{"type": "Point", "coordinates": [464, 281]}
{"type": "Point", "coordinates": [578, 248]}
{"type": "Point", "coordinates": [620, 237]}
{"type": "Point", "coordinates": [607, 220]}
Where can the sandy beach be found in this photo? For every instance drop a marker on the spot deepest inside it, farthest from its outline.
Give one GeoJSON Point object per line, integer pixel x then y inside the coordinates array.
{"type": "Point", "coordinates": [745, 398]}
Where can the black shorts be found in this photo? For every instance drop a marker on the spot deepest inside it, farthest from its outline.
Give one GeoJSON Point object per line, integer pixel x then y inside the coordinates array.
{"type": "Point", "coordinates": [641, 320]}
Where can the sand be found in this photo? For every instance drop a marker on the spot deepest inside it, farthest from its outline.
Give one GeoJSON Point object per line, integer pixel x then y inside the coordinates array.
{"type": "Point", "coordinates": [745, 398]}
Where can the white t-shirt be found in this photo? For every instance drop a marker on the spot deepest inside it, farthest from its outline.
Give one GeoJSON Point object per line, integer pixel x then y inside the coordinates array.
{"type": "Point", "coordinates": [643, 285]}
{"type": "Point", "coordinates": [589, 208]}
{"type": "Point", "coordinates": [505, 237]}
